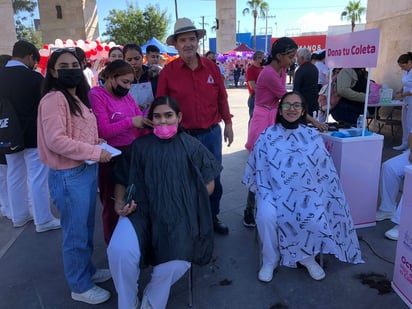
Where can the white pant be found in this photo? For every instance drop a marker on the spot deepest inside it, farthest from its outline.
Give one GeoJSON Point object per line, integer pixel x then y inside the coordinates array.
{"type": "Point", "coordinates": [392, 173]}
{"type": "Point", "coordinates": [124, 257]}
{"type": "Point", "coordinates": [396, 218]}
{"type": "Point", "coordinates": [27, 182]}
{"type": "Point", "coordinates": [406, 122]}
{"type": "Point", "coordinates": [4, 195]}
{"type": "Point", "coordinates": [266, 225]}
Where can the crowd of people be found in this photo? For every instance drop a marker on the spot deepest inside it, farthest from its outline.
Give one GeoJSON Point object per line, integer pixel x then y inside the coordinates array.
{"type": "Point", "coordinates": [161, 191]}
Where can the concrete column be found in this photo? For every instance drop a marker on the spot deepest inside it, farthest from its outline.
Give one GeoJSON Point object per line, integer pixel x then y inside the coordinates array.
{"type": "Point", "coordinates": [79, 20]}
{"type": "Point", "coordinates": [8, 34]}
{"type": "Point", "coordinates": [226, 34]}
{"type": "Point", "coordinates": [90, 20]}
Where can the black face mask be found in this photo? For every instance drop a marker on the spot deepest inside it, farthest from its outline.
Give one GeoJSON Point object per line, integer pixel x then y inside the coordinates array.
{"type": "Point", "coordinates": [290, 125]}
{"type": "Point", "coordinates": [69, 78]}
{"type": "Point", "coordinates": [120, 91]}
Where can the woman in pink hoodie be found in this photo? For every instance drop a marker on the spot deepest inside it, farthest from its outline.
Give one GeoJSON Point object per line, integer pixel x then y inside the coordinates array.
{"type": "Point", "coordinates": [67, 136]}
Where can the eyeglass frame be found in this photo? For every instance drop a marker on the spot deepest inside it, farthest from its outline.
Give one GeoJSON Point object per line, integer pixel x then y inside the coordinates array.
{"type": "Point", "coordinates": [63, 50]}
{"type": "Point", "coordinates": [295, 105]}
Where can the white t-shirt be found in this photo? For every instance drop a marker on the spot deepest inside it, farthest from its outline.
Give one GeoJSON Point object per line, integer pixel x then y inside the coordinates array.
{"type": "Point", "coordinates": [323, 72]}
{"type": "Point", "coordinates": [88, 73]}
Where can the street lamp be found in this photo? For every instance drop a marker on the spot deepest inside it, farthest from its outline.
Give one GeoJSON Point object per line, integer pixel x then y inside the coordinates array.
{"type": "Point", "coordinates": [267, 16]}
{"type": "Point", "coordinates": [238, 30]}
{"type": "Point", "coordinates": [176, 9]}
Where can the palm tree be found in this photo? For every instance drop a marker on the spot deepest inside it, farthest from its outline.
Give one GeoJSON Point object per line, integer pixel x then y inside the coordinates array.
{"type": "Point", "coordinates": [353, 12]}
{"type": "Point", "coordinates": [258, 8]}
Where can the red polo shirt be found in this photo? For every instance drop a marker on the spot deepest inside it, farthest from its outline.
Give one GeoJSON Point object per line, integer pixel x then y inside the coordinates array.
{"type": "Point", "coordinates": [201, 94]}
{"type": "Point", "coordinates": [252, 74]}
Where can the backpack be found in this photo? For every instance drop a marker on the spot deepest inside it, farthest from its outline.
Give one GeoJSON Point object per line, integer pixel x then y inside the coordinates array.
{"type": "Point", "coordinates": [323, 96]}
{"type": "Point", "coordinates": [11, 133]}
{"type": "Point", "coordinates": [374, 95]}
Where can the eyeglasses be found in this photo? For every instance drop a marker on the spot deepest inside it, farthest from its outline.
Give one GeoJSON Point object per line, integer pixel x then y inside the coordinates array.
{"type": "Point", "coordinates": [71, 50]}
{"type": "Point", "coordinates": [295, 105]}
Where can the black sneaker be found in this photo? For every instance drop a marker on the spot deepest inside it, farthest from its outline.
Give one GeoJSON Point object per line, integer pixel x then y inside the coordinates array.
{"type": "Point", "coordinates": [249, 219]}
{"type": "Point", "coordinates": [219, 227]}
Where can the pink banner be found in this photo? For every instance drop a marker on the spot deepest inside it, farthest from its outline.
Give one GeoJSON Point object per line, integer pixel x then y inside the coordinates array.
{"type": "Point", "coordinates": [353, 50]}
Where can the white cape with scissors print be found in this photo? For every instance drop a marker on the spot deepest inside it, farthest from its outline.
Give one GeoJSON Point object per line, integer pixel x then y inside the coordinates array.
{"type": "Point", "coordinates": [291, 170]}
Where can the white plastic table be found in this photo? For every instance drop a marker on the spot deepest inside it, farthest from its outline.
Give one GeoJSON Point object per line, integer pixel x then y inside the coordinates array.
{"type": "Point", "coordinates": [393, 104]}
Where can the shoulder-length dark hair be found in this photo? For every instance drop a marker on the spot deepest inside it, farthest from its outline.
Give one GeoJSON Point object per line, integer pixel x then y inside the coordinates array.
{"type": "Point", "coordinates": [165, 100]}
{"type": "Point", "coordinates": [302, 118]}
{"type": "Point", "coordinates": [51, 83]}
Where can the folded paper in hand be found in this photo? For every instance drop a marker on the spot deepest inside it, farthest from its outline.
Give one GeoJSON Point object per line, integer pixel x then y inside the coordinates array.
{"type": "Point", "coordinates": [114, 151]}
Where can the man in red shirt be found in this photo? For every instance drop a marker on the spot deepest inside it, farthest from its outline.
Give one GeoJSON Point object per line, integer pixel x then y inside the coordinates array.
{"type": "Point", "coordinates": [252, 74]}
{"type": "Point", "coordinates": [196, 83]}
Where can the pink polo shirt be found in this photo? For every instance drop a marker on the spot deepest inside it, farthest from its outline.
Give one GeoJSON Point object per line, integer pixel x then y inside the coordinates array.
{"type": "Point", "coordinates": [270, 87]}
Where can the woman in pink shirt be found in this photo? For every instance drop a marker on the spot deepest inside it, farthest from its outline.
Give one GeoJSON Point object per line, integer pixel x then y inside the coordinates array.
{"type": "Point", "coordinates": [270, 87]}
{"type": "Point", "coordinates": [118, 120]}
{"type": "Point", "coordinates": [67, 136]}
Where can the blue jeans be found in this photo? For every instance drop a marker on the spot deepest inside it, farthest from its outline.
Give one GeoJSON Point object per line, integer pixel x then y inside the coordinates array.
{"type": "Point", "coordinates": [251, 105]}
{"type": "Point", "coordinates": [213, 142]}
{"type": "Point", "coordinates": [74, 193]}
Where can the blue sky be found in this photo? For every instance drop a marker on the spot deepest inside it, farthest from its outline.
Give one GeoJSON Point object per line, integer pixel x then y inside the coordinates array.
{"type": "Point", "coordinates": [292, 17]}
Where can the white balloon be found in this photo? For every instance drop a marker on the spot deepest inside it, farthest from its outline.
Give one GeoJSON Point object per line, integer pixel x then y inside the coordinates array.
{"type": "Point", "coordinates": [58, 43]}
{"type": "Point", "coordinates": [80, 43]}
{"type": "Point", "coordinates": [93, 45]}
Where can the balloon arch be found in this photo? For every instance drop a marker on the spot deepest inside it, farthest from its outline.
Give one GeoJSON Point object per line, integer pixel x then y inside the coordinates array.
{"type": "Point", "coordinates": [96, 52]}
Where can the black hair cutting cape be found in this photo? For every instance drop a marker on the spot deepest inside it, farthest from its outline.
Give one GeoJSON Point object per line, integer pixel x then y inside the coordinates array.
{"type": "Point", "coordinates": [173, 219]}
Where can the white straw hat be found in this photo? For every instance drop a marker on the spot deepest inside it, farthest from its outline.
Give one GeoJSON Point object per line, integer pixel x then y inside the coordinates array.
{"type": "Point", "coordinates": [184, 25]}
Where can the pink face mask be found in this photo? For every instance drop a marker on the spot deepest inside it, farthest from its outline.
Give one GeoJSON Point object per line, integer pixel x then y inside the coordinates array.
{"type": "Point", "coordinates": [165, 132]}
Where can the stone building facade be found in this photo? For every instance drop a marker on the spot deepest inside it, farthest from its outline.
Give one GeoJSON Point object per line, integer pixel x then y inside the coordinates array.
{"type": "Point", "coordinates": [394, 19]}
{"type": "Point", "coordinates": [74, 19]}
{"type": "Point", "coordinates": [8, 31]}
{"type": "Point", "coordinates": [226, 34]}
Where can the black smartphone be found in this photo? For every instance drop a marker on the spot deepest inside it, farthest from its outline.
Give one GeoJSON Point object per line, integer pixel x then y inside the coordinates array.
{"type": "Point", "coordinates": [130, 190]}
